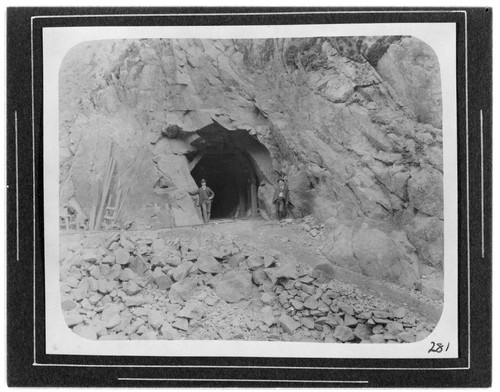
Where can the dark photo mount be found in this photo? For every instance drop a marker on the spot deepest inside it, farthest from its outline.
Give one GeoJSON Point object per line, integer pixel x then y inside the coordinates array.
{"type": "Point", "coordinates": [30, 362]}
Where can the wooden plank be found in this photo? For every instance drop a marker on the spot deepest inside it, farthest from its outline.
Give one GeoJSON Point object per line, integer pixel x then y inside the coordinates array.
{"type": "Point", "coordinates": [118, 199]}
{"type": "Point", "coordinates": [95, 202]}
{"type": "Point", "coordinates": [105, 196]}
{"type": "Point", "coordinates": [98, 202]}
{"type": "Point", "coordinates": [121, 204]}
{"type": "Point", "coordinates": [106, 184]}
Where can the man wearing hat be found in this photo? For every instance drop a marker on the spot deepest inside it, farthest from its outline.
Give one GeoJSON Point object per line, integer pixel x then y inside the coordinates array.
{"type": "Point", "coordinates": [280, 198]}
{"type": "Point", "coordinates": [205, 197]}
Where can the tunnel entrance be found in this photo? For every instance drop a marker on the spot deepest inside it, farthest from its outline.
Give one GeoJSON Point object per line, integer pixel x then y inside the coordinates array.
{"type": "Point", "coordinates": [230, 176]}
{"type": "Point", "coordinates": [227, 161]}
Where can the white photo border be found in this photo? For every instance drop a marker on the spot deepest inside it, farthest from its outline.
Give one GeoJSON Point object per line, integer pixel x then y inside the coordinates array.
{"type": "Point", "coordinates": [53, 336]}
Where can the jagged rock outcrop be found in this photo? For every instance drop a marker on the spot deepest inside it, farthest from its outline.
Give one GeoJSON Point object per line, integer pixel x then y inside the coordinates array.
{"type": "Point", "coordinates": [410, 68]}
{"type": "Point", "coordinates": [352, 123]}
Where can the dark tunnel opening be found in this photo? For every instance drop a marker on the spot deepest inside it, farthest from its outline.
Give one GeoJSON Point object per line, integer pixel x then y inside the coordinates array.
{"type": "Point", "coordinates": [234, 163]}
{"type": "Point", "coordinates": [231, 176]}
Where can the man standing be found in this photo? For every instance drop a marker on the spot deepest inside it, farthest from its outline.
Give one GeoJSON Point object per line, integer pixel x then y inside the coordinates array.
{"type": "Point", "coordinates": [280, 198]}
{"type": "Point", "coordinates": [205, 197]}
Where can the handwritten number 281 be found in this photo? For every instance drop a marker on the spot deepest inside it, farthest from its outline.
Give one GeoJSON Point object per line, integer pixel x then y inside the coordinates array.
{"type": "Point", "coordinates": [438, 347]}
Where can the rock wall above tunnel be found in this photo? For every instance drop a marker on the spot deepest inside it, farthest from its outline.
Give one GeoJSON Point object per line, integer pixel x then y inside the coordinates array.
{"type": "Point", "coordinates": [352, 123]}
{"type": "Point", "coordinates": [409, 66]}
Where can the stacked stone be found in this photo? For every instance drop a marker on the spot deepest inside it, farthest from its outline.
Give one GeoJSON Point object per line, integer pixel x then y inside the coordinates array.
{"type": "Point", "coordinates": [326, 312]}
{"type": "Point", "coordinates": [133, 287]}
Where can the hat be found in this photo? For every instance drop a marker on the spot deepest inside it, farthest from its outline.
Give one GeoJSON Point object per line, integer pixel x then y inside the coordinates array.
{"type": "Point", "coordinates": [281, 179]}
{"type": "Point", "coordinates": [203, 181]}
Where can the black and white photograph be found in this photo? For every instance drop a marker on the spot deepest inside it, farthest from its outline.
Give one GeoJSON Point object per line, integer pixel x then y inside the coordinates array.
{"type": "Point", "coordinates": [250, 191]}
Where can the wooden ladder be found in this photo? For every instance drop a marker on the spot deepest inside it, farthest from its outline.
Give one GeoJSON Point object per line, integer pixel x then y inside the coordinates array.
{"type": "Point", "coordinates": [111, 211]}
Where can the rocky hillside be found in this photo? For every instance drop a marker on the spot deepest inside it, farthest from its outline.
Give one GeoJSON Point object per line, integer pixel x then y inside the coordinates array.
{"type": "Point", "coordinates": [353, 124]}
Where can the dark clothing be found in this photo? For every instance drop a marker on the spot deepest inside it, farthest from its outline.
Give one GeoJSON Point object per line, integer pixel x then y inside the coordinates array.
{"type": "Point", "coordinates": [280, 208]}
{"type": "Point", "coordinates": [206, 206]}
{"type": "Point", "coordinates": [205, 197]}
{"type": "Point", "coordinates": [281, 199]}
{"type": "Point", "coordinates": [205, 194]}
{"type": "Point", "coordinates": [281, 191]}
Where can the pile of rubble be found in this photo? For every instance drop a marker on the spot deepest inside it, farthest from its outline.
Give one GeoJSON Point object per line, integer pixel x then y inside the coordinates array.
{"type": "Point", "coordinates": [154, 286]}
{"type": "Point", "coordinates": [309, 224]}
{"type": "Point", "coordinates": [343, 314]}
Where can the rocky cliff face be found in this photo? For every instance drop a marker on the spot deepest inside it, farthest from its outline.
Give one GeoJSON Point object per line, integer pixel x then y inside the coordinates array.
{"type": "Point", "coordinates": [352, 123]}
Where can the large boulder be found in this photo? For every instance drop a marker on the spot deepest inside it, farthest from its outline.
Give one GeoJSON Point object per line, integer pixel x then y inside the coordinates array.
{"type": "Point", "coordinates": [386, 255]}
{"type": "Point", "coordinates": [288, 324]}
{"type": "Point", "coordinates": [183, 289]}
{"type": "Point", "coordinates": [338, 247]}
{"type": "Point", "coordinates": [411, 68]}
{"type": "Point", "coordinates": [426, 234]}
{"type": "Point", "coordinates": [234, 285]}
{"type": "Point", "coordinates": [374, 252]}
{"type": "Point", "coordinates": [139, 265]}
{"type": "Point", "coordinates": [425, 191]}
{"type": "Point", "coordinates": [343, 333]}
{"type": "Point", "coordinates": [192, 310]}
{"type": "Point", "coordinates": [287, 270]}
{"type": "Point", "coordinates": [181, 271]}
{"type": "Point", "coordinates": [208, 264]}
